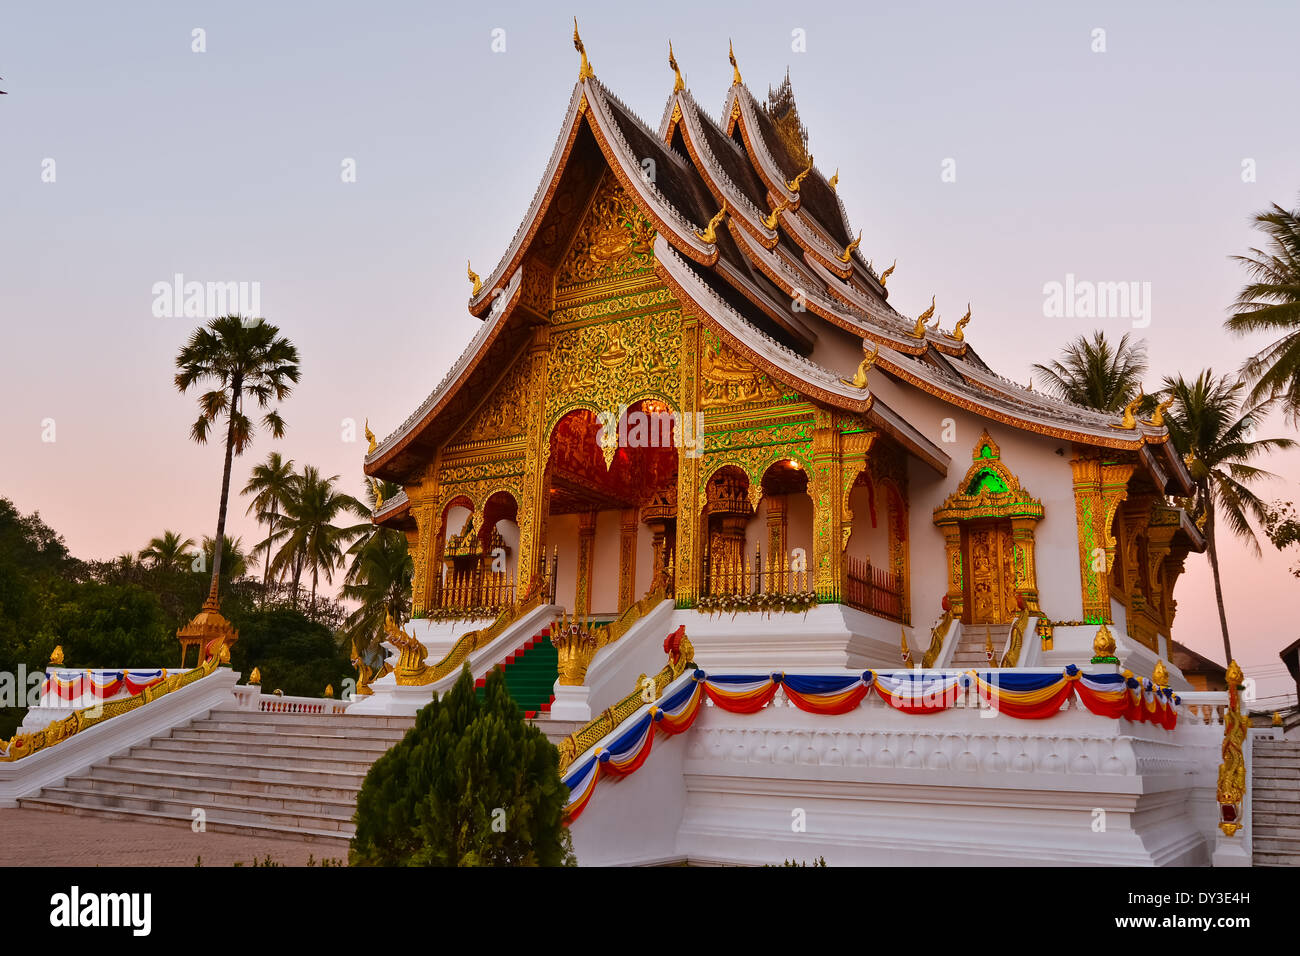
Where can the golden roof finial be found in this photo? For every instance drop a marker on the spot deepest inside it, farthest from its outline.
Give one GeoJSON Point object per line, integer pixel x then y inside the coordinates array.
{"type": "Point", "coordinates": [1130, 421]}
{"type": "Point", "coordinates": [774, 216]}
{"type": "Point", "coordinates": [835, 180]}
{"type": "Point", "coordinates": [964, 321]}
{"type": "Point", "coordinates": [847, 254]}
{"type": "Point", "coordinates": [678, 85]}
{"type": "Point", "coordinates": [800, 176]}
{"type": "Point", "coordinates": [1160, 676]}
{"type": "Point", "coordinates": [473, 277]}
{"type": "Point", "coordinates": [859, 379]}
{"type": "Point", "coordinates": [918, 331]}
{"type": "Point", "coordinates": [1158, 416]}
{"type": "Point", "coordinates": [735, 70]}
{"type": "Point", "coordinates": [585, 69]}
{"type": "Point", "coordinates": [710, 233]}
{"type": "Point", "coordinates": [884, 276]}
{"type": "Point", "coordinates": [370, 437]}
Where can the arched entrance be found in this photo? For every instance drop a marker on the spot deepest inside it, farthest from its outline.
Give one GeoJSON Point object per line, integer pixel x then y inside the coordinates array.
{"type": "Point", "coordinates": [988, 527]}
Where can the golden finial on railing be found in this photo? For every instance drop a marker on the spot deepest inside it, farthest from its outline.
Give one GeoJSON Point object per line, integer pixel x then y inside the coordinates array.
{"type": "Point", "coordinates": [710, 232]}
{"type": "Point", "coordinates": [56, 656]}
{"type": "Point", "coordinates": [329, 691]}
{"type": "Point", "coordinates": [774, 217]}
{"type": "Point", "coordinates": [735, 70]}
{"type": "Point", "coordinates": [1103, 647]}
{"type": "Point", "coordinates": [800, 176]}
{"type": "Point", "coordinates": [835, 180]}
{"type": "Point", "coordinates": [477, 283]}
{"type": "Point", "coordinates": [884, 276]}
{"type": "Point", "coordinates": [1158, 416]}
{"type": "Point", "coordinates": [918, 331]}
{"type": "Point", "coordinates": [1160, 675]}
{"type": "Point", "coordinates": [988, 644]}
{"type": "Point", "coordinates": [584, 70]}
{"type": "Point", "coordinates": [847, 254]}
{"type": "Point", "coordinates": [958, 332]}
{"type": "Point", "coordinates": [1277, 719]}
{"type": "Point", "coordinates": [1129, 421]}
{"type": "Point", "coordinates": [1231, 789]}
{"type": "Point", "coordinates": [255, 677]}
{"type": "Point", "coordinates": [678, 85]}
{"type": "Point", "coordinates": [907, 651]}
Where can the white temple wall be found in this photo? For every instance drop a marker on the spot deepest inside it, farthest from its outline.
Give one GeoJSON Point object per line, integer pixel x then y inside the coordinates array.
{"type": "Point", "coordinates": [605, 562]}
{"type": "Point", "coordinates": [645, 561]}
{"type": "Point", "coordinates": [562, 532]}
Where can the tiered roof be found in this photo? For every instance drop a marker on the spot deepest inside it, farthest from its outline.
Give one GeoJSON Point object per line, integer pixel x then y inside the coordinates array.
{"type": "Point", "coordinates": [786, 236]}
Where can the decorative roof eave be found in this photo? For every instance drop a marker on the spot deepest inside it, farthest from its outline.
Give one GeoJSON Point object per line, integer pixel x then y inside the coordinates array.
{"type": "Point", "coordinates": [763, 303]}
{"type": "Point", "coordinates": [502, 307]}
{"type": "Point", "coordinates": [685, 115]}
{"type": "Point", "coordinates": [589, 100]}
{"type": "Point", "coordinates": [787, 366]}
{"type": "Point", "coordinates": [396, 507]}
{"type": "Point", "coordinates": [1195, 537]}
{"type": "Point", "coordinates": [850, 295]}
{"type": "Point", "coordinates": [809, 235]}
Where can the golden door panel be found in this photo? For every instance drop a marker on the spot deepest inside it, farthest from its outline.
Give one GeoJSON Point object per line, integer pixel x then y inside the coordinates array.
{"type": "Point", "coordinates": [990, 596]}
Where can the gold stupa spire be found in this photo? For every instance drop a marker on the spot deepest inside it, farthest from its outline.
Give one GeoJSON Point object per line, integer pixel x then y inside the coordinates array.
{"type": "Point", "coordinates": [735, 70]}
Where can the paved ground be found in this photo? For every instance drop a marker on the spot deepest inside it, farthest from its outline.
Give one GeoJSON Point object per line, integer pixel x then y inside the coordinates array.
{"type": "Point", "coordinates": [42, 838]}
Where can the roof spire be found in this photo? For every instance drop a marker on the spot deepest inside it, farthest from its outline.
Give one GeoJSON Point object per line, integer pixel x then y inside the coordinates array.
{"type": "Point", "coordinates": [678, 84]}
{"type": "Point", "coordinates": [847, 254]}
{"type": "Point", "coordinates": [800, 176]}
{"type": "Point", "coordinates": [957, 333]}
{"type": "Point", "coordinates": [473, 277]}
{"type": "Point", "coordinates": [835, 180]}
{"type": "Point", "coordinates": [884, 276]}
{"type": "Point", "coordinates": [735, 70]}
{"type": "Point", "coordinates": [919, 331]}
{"type": "Point", "coordinates": [710, 232]}
{"type": "Point", "coordinates": [585, 70]}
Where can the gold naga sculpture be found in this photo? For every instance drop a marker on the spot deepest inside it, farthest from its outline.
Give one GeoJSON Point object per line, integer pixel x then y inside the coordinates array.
{"type": "Point", "coordinates": [678, 84]}
{"type": "Point", "coordinates": [958, 332]}
{"type": "Point", "coordinates": [735, 70]}
{"type": "Point", "coordinates": [710, 232]}
{"type": "Point", "coordinates": [412, 654]}
{"type": "Point", "coordinates": [774, 216]}
{"type": "Point", "coordinates": [848, 250]}
{"type": "Point", "coordinates": [370, 437]}
{"type": "Point", "coordinates": [918, 331]}
{"type": "Point", "coordinates": [1158, 416]}
{"type": "Point", "coordinates": [800, 176]}
{"type": "Point", "coordinates": [1130, 422]}
{"type": "Point", "coordinates": [859, 379]}
{"type": "Point", "coordinates": [584, 69]}
{"type": "Point", "coordinates": [473, 278]}
{"type": "Point", "coordinates": [884, 276]}
{"type": "Point", "coordinates": [835, 180]}
{"type": "Point", "coordinates": [366, 674]}
{"type": "Point", "coordinates": [1231, 788]}
{"type": "Point", "coordinates": [576, 642]}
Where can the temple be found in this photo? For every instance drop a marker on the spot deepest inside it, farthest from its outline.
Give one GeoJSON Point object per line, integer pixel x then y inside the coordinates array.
{"type": "Point", "coordinates": [689, 376]}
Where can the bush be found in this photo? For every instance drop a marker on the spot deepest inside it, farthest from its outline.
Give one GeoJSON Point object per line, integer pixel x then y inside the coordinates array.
{"type": "Point", "coordinates": [470, 784]}
{"type": "Point", "coordinates": [294, 653]}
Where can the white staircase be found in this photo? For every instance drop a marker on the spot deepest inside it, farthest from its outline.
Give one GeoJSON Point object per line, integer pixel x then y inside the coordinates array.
{"type": "Point", "coordinates": [1275, 802]}
{"type": "Point", "coordinates": [970, 650]}
{"type": "Point", "coordinates": [278, 775]}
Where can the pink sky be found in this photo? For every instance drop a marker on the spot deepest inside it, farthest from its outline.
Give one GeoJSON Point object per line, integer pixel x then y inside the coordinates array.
{"type": "Point", "coordinates": [225, 166]}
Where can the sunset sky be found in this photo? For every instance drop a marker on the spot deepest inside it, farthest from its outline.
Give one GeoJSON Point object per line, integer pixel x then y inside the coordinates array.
{"type": "Point", "coordinates": [225, 166]}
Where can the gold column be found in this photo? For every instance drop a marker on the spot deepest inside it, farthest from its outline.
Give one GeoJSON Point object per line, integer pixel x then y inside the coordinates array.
{"type": "Point", "coordinates": [776, 531]}
{"type": "Point", "coordinates": [534, 506]}
{"type": "Point", "coordinates": [825, 487]}
{"type": "Point", "coordinates": [586, 548]}
{"type": "Point", "coordinates": [690, 502]}
{"type": "Point", "coordinates": [953, 560]}
{"type": "Point", "coordinates": [627, 560]}
{"type": "Point", "coordinates": [1023, 571]}
{"type": "Point", "coordinates": [424, 559]}
{"type": "Point", "coordinates": [1099, 488]}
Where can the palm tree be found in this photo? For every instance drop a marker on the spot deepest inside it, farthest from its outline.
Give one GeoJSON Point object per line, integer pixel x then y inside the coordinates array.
{"type": "Point", "coordinates": [270, 485]}
{"type": "Point", "coordinates": [1271, 303]}
{"type": "Point", "coordinates": [380, 581]}
{"type": "Point", "coordinates": [314, 541]}
{"type": "Point", "coordinates": [1212, 426]}
{"type": "Point", "coordinates": [1095, 374]}
{"type": "Point", "coordinates": [375, 487]}
{"type": "Point", "coordinates": [168, 553]}
{"type": "Point", "coordinates": [242, 359]}
{"type": "Point", "coordinates": [233, 558]}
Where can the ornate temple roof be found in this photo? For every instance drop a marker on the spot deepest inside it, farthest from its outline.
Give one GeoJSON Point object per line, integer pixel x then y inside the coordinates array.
{"type": "Point", "coordinates": [786, 235]}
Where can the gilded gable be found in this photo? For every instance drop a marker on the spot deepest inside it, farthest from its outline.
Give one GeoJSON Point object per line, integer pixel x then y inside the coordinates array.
{"type": "Point", "coordinates": [614, 241]}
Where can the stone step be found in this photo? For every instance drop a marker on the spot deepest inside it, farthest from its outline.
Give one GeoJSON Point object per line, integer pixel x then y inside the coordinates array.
{"type": "Point", "coordinates": [1283, 808]}
{"type": "Point", "coordinates": [1274, 859]}
{"type": "Point", "coordinates": [349, 721]}
{"type": "Point", "coordinates": [204, 736]}
{"type": "Point", "coordinates": [1267, 843]}
{"type": "Point", "coordinates": [1280, 829]}
{"type": "Point", "coordinates": [271, 729]}
{"type": "Point", "coordinates": [231, 782]}
{"type": "Point", "coordinates": [325, 806]}
{"type": "Point", "coordinates": [260, 755]}
{"type": "Point", "coordinates": [270, 770]}
{"type": "Point", "coordinates": [337, 821]}
{"type": "Point", "coordinates": [331, 840]}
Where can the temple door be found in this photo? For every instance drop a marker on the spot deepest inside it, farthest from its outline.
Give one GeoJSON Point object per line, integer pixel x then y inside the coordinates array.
{"type": "Point", "coordinates": [990, 596]}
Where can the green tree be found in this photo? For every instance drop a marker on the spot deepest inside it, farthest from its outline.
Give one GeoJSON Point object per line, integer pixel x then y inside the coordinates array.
{"type": "Point", "coordinates": [314, 542]}
{"type": "Point", "coordinates": [1282, 525]}
{"type": "Point", "coordinates": [379, 580]}
{"type": "Point", "coordinates": [270, 484]}
{"type": "Point", "coordinates": [233, 559]}
{"type": "Point", "coordinates": [170, 552]}
{"type": "Point", "coordinates": [1096, 374]}
{"type": "Point", "coordinates": [1270, 303]}
{"type": "Point", "coordinates": [241, 359]}
{"type": "Point", "coordinates": [294, 653]}
{"type": "Point", "coordinates": [471, 784]}
{"type": "Point", "coordinates": [1211, 424]}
